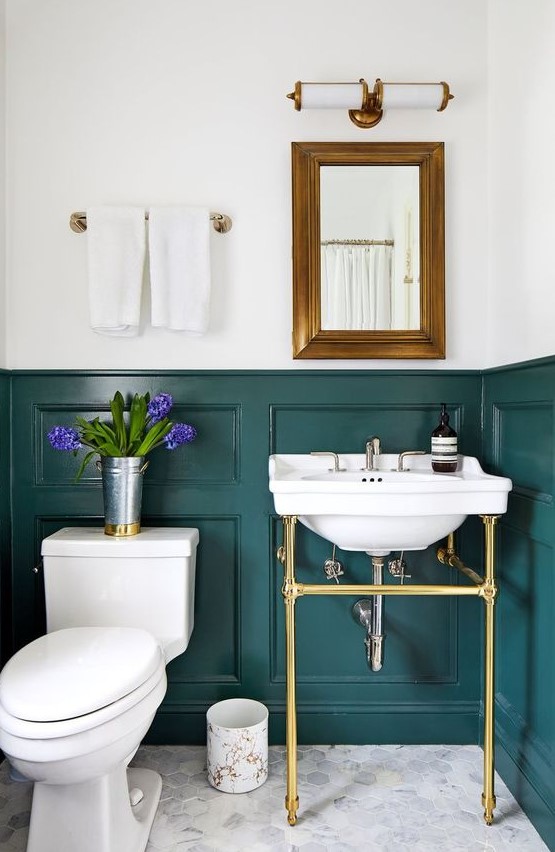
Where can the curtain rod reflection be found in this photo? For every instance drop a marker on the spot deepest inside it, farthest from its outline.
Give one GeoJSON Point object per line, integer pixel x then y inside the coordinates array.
{"type": "Point", "coordinates": [357, 242]}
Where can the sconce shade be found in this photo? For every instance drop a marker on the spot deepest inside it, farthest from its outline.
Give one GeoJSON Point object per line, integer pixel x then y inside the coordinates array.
{"type": "Point", "coordinates": [413, 95]}
{"type": "Point", "coordinates": [331, 95]}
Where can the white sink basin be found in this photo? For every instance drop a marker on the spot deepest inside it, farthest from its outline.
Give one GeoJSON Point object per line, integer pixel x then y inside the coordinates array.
{"type": "Point", "coordinates": [383, 510]}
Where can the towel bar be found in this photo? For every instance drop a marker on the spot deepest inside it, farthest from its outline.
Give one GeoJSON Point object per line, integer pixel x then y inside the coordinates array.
{"type": "Point", "coordinates": [221, 222]}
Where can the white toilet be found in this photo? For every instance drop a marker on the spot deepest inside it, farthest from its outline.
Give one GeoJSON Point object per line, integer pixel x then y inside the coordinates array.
{"type": "Point", "coordinates": [75, 704]}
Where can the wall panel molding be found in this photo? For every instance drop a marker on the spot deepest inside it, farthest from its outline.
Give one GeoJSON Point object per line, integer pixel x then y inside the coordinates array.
{"type": "Point", "coordinates": [519, 442]}
{"type": "Point", "coordinates": [215, 462]}
{"type": "Point", "coordinates": [522, 434]}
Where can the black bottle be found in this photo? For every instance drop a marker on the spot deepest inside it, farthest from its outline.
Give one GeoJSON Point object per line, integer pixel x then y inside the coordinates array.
{"type": "Point", "coordinates": [444, 445]}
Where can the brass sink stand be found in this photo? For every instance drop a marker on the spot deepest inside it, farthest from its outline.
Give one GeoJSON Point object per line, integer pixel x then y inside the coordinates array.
{"type": "Point", "coordinates": [483, 587]}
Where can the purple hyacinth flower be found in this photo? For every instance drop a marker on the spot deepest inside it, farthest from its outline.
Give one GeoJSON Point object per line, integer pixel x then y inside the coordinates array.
{"type": "Point", "coordinates": [160, 406]}
{"type": "Point", "coordinates": [180, 433]}
{"type": "Point", "coordinates": [64, 438]}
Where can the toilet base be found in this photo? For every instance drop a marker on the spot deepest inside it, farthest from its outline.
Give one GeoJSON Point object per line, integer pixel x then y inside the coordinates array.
{"type": "Point", "coordinates": [95, 816]}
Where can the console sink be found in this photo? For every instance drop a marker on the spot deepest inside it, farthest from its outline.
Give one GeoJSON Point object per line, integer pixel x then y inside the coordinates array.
{"type": "Point", "coordinates": [383, 510]}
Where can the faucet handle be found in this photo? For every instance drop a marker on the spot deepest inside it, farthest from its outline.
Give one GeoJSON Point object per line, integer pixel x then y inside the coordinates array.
{"type": "Point", "coordinates": [335, 468]}
{"type": "Point", "coordinates": [397, 568]}
{"type": "Point", "coordinates": [401, 459]}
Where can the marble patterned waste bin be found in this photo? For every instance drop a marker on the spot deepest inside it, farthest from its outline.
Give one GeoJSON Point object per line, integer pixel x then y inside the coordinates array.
{"type": "Point", "coordinates": [237, 745]}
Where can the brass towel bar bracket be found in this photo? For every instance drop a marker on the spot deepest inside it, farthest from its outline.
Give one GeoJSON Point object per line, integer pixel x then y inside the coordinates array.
{"type": "Point", "coordinates": [222, 223]}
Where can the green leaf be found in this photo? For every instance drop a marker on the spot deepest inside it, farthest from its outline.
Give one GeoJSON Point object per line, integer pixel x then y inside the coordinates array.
{"type": "Point", "coordinates": [117, 405]}
{"type": "Point", "coordinates": [154, 437]}
{"type": "Point", "coordinates": [99, 435]}
{"type": "Point", "coordinates": [84, 463]}
{"type": "Point", "coordinates": [137, 420]}
{"type": "Point", "coordinates": [104, 448]}
{"type": "Point", "coordinates": [104, 431]}
{"type": "Point", "coordinates": [85, 424]}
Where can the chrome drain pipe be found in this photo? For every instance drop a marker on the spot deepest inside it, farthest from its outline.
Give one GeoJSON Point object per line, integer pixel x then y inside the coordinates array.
{"type": "Point", "coordinates": [376, 637]}
{"type": "Point", "coordinates": [374, 651]}
{"type": "Point", "coordinates": [369, 613]}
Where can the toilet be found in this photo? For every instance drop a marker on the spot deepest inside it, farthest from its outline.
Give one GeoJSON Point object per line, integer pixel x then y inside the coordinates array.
{"type": "Point", "coordinates": [76, 703]}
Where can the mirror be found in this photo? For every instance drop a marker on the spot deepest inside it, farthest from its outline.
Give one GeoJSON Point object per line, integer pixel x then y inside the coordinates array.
{"type": "Point", "coordinates": [368, 250]}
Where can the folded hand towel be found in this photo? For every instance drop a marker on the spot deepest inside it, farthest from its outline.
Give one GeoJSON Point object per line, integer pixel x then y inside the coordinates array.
{"type": "Point", "coordinates": [179, 267]}
{"type": "Point", "coordinates": [116, 252]}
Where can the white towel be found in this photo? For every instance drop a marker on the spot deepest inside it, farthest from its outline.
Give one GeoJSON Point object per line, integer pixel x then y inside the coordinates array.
{"type": "Point", "coordinates": [179, 267]}
{"type": "Point", "coordinates": [116, 254]}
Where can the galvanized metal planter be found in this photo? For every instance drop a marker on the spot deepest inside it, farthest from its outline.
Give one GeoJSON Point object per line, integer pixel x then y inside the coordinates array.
{"type": "Point", "coordinates": [122, 488]}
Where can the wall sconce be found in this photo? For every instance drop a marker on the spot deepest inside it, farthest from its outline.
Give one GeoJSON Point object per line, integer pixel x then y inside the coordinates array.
{"type": "Point", "coordinates": [365, 107]}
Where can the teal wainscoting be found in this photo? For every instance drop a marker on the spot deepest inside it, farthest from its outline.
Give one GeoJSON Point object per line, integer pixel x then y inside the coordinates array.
{"type": "Point", "coordinates": [429, 689]}
{"type": "Point", "coordinates": [519, 428]}
{"type": "Point", "coordinates": [5, 501]}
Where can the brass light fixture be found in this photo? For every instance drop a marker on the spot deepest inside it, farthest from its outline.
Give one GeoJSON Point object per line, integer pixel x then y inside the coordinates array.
{"type": "Point", "coordinates": [366, 107]}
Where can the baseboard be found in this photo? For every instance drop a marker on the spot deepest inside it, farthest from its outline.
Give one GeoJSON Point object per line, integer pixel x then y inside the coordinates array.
{"type": "Point", "coordinates": [406, 725]}
{"type": "Point", "coordinates": [532, 803]}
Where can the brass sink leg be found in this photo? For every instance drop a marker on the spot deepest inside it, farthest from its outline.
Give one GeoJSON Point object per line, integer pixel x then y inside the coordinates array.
{"type": "Point", "coordinates": [489, 592]}
{"type": "Point", "coordinates": [289, 591]}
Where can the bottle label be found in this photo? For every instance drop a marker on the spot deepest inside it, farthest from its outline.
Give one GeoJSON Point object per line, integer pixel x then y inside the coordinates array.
{"type": "Point", "coordinates": [444, 449]}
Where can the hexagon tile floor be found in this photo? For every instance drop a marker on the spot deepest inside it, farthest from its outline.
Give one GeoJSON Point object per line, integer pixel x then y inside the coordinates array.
{"type": "Point", "coordinates": [372, 798]}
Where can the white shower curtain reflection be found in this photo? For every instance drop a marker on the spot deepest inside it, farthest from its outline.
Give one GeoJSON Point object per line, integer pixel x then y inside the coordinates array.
{"type": "Point", "coordinates": [356, 286]}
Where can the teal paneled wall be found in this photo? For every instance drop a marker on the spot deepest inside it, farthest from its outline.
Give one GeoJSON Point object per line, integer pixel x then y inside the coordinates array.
{"type": "Point", "coordinates": [519, 430]}
{"type": "Point", "coordinates": [429, 688]}
{"type": "Point", "coordinates": [5, 499]}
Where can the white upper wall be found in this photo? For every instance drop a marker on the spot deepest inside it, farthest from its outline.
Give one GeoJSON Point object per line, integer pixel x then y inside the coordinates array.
{"type": "Point", "coordinates": [3, 323]}
{"type": "Point", "coordinates": [522, 181]}
{"type": "Point", "coordinates": [161, 103]}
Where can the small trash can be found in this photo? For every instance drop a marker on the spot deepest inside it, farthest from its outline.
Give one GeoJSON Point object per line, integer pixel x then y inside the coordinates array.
{"type": "Point", "coordinates": [237, 745]}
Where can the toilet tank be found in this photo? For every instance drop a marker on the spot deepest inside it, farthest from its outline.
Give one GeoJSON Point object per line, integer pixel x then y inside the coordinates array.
{"type": "Point", "coordinates": [146, 580]}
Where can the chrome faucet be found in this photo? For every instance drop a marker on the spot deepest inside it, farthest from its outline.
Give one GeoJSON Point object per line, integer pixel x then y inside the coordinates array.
{"type": "Point", "coordinates": [373, 449]}
{"type": "Point", "coordinates": [402, 457]}
{"type": "Point", "coordinates": [336, 468]}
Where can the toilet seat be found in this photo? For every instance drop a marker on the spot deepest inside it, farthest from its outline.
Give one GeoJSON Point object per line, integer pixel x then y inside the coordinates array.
{"type": "Point", "coordinates": [70, 674]}
{"type": "Point", "coordinates": [66, 728]}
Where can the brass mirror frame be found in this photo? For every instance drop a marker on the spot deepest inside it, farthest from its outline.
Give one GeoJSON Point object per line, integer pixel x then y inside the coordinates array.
{"type": "Point", "coordinates": [309, 339]}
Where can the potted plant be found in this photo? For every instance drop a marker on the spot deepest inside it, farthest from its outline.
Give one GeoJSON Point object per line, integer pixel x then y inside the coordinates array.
{"type": "Point", "coordinates": [123, 446]}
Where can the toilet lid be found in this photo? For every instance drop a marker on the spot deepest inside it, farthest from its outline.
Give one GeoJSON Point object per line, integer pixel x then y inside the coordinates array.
{"type": "Point", "coordinates": [75, 671]}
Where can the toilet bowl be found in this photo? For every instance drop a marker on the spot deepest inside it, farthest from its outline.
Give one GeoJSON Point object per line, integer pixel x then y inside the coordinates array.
{"type": "Point", "coordinates": [76, 703]}
{"type": "Point", "coordinates": [81, 760]}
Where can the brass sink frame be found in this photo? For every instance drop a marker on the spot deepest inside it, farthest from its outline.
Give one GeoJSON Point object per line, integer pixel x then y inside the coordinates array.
{"type": "Point", "coordinates": [483, 587]}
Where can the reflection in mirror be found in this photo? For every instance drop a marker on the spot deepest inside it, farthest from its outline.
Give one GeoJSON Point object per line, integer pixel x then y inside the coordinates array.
{"type": "Point", "coordinates": [370, 236]}
{"type": "Point", "coordinates": [368, 250]}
